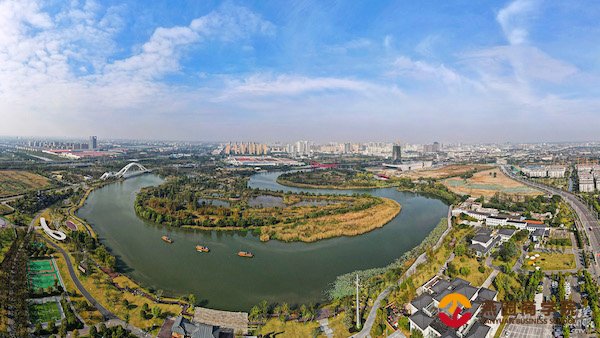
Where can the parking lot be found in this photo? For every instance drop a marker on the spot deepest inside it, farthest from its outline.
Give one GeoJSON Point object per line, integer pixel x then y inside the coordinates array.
{"type": "Point", "coordinates": [527, 330]}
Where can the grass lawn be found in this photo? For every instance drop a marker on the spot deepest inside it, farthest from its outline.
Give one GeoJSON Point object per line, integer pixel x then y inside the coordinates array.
{"type": "Point", "coordinates": [475, 277]}
{"type": "Point", "coordinates": [339, 330]}
{"type": "Point", "coordinates": [510, 263]}
{"type": "Point", "coordinates": [44, 313]}
{"type": "Point", "coordinates": [291, 329]}
{"type": "Point", "coordinates": [552, 261]}
{"type": "Point", "coordinates": [98, 286]}
{"type": "Point", "coordinates": [14, 182]}
{"type": "Point", "coordinates": [89, 314]}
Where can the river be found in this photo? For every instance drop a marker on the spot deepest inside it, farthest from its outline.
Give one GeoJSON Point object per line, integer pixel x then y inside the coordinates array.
{"type": "Point", "coordinates": [290, 272]}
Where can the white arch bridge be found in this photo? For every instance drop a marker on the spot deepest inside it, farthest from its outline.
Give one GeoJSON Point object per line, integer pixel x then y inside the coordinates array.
{"type": "Point", "coordinates": [126, 171]}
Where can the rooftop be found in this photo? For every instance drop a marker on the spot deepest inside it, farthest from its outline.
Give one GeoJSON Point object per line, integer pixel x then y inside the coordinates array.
{"type": "Point", "coordinates": [238, 321]}
{"type": "Point", "coordinates": [422, 301]}
{"type": "Point", "coordinates": [421, 320]}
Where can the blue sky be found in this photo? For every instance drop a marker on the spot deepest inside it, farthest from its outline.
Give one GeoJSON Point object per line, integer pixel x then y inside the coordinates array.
{"type": "Point", "coordinates": [414, 71]}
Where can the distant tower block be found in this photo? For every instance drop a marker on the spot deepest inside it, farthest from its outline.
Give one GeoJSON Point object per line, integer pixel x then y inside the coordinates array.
{"type": "Point", "coordinates": [396, 153]}
{"type": "Point", "coordinates": [93, 142]}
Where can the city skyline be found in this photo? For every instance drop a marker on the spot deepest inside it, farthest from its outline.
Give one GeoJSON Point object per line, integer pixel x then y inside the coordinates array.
{"type": "Point", "coordinates": [519, 71]}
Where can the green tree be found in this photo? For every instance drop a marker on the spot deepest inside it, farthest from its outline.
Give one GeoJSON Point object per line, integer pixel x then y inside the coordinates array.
{"type": "Point", "coordinates": [156, 312]}
{"type": "Point", "coordinates": [51, 327]}
{"type": "Point", "coordinates": [192, 299]}
{"type": "Point", "coordinates": [416, 334]}
{"type": "Point", "coordinates": [38, 328]}
{"type": "Point", "coordinates": [93, 331]}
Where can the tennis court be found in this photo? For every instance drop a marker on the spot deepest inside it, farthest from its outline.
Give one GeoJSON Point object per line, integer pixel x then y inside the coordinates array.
{"type": "Point", "coordinates": [42, 274]}
{"type": "Point", "coordinates": [44, 313]}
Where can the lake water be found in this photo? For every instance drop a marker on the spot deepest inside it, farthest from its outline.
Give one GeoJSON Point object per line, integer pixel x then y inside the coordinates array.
{"type": "Point", "coordinates": [290, 272]}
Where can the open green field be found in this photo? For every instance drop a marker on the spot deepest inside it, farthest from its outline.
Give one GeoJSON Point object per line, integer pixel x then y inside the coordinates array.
{"type": "Point", "coordinates": [14, 182]}
{"type": "Point", "coordinates": [44, 313]}
{"type": "Point", "coordinates": [552, 261]}
{"type": "Point", "coordinates": [487, 183]}
{"type": "Point", "coordinates": [42, 274]}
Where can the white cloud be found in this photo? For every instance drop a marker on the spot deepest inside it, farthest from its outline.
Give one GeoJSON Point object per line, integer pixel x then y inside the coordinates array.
{"type": "Point", "coordinates": [424, 71]}
{"type": "Point", "coordinates": [355, 44]}
{"type": "Point", "coordinates": [161, 54]}
{"type": "Point", "coordinates": [388, 40]}
{"type": "Point", "coordinates": [514, 19]}
{"type": "Point", "coordinates": [425, 46]}
{"type": "Point", "coordinates": [266, 84]}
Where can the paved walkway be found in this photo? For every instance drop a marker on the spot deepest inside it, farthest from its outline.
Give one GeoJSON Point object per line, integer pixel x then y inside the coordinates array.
{"type": "Point", "coordinates": [111, 318]}
{"type": "Point", "coordinates": [324, 323]}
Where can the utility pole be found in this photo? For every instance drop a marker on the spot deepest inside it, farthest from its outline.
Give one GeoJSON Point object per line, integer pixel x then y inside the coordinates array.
{"type": "Point", "coordinates": [357, 306]}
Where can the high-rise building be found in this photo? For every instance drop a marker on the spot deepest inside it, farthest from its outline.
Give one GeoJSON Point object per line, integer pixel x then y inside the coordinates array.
{"type": "Point", "coordinates": [93, 142]}
{"type": "Point", "coordinates": [396, 153]}
{"type": "Point", "coordinates": [436, 147]}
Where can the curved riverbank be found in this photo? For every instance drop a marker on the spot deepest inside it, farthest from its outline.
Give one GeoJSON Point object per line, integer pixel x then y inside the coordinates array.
{"type": "Point", "coordinates": [280, 272]}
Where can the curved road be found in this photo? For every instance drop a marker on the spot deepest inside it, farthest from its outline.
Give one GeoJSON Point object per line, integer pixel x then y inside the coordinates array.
{"type": "Point", "coordinates": [587, 220]}
{"type": "Point", "coordinates": [105, 313]}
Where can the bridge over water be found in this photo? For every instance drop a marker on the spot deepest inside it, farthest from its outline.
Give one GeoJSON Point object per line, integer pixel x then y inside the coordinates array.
{"type": "Point", "coordinates": [129, 170]}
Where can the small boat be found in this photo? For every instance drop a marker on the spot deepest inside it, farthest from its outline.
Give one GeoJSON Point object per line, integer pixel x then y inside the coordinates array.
{"type": "Point", "coordinates": [202, 248]}
{"type": "Point", "coordinates": [245, 254]}
{"type": "Point", "coordinates": [167, 239]}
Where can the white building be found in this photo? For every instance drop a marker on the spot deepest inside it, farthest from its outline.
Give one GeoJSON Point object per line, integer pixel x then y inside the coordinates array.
{"type": "Point", "coordinates": [495, 221]}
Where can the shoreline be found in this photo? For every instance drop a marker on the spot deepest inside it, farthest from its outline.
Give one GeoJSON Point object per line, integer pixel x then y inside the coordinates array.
{"type": "Point", "coordinates": [265, 236]}
{"type": "Point", "coordinates": [252, 229]}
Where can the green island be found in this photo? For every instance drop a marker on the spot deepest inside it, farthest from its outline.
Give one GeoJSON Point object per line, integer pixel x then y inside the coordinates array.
{"type": "Point", "coordinates": [224, 202]}
{"type": "Point", "coordinates": [352, 179]}
{"type": "Point", "coordinates": [334, 179]}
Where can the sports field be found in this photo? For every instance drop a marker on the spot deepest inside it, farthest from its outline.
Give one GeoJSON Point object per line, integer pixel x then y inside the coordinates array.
{"type": "Point", "coordinates": [44, 313]}
{"type": "Point", "coordinates": [42, 274]}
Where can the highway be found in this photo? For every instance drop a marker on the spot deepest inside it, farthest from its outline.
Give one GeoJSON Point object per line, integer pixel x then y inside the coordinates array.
{"type": "Point", "coordinates": [588, 223]}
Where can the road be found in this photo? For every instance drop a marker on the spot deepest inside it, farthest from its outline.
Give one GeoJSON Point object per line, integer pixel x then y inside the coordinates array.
{"type": "Point", "coordinates": [588, 223]}
{"type": "Point", "coordinates": [366, 329]}
{"type": "Point", "coordinates": [105, 313]}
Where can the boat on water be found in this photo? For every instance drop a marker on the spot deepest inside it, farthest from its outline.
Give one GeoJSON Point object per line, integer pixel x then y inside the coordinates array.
{"type": "Point", "coordinates": [167, 239]}
{"type": "Point", "coordinates": [245, 254]}
{"type": "Point", "coordinates": [202, 248]}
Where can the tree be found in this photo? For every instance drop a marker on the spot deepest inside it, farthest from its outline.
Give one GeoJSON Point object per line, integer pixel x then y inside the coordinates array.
{"type": "Point", "coordinates": [416, 334]}
{"type": "Point", "coordinates": [75, 333]}
{"type": "Point", "coordinates": [460, 250]}
{"type": "Point", "coordinates": [93, 331]}
{"type": "Point", "coordinates": [102, 329]}
{"type": "Point", "coordinates": [508, 251]}
{"type": "Point", "coordinates": [51, 327]}
{"type": "Point", "coordinates": [156, 312]}
{"type": "Point", "coordinates": [38, 328]}
{"type": "Point", "coordinates": [348, 320]}
{"type": "Point", "coordinates": [284, 312]}
{"type": "Point", "coordinates": [62, 330]}
{"type": "Point", "coordinates": [192, 299]}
